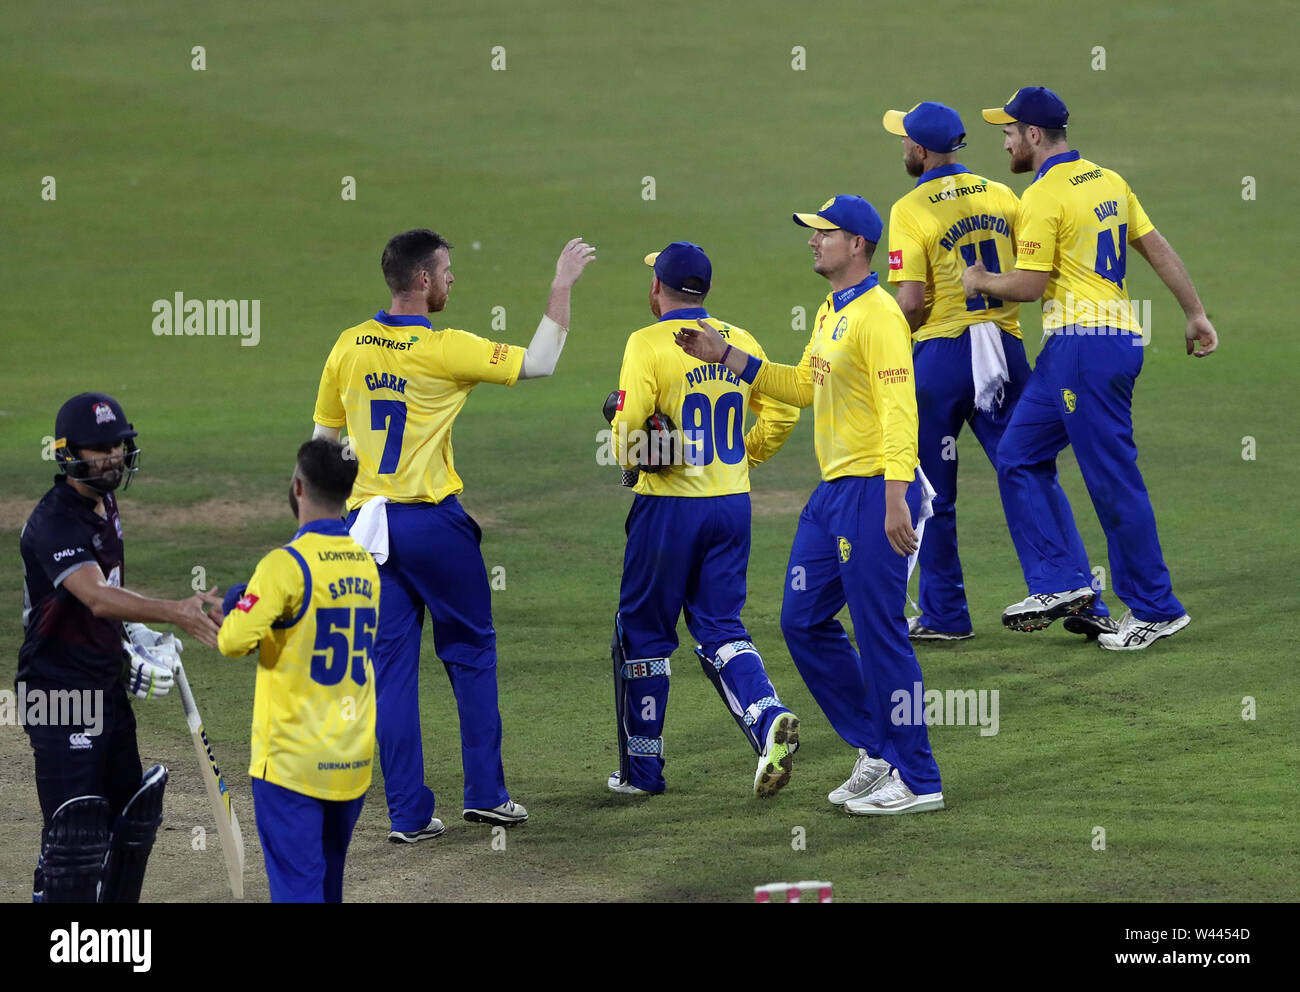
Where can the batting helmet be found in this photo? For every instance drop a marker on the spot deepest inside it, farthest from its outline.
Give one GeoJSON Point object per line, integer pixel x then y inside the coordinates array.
{"type": "Point", "coordinates": [94, 420]}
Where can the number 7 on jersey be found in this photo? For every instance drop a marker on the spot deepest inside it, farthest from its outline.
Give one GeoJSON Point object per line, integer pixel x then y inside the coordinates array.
{"type": "Point", "coordinates": [389, 415]}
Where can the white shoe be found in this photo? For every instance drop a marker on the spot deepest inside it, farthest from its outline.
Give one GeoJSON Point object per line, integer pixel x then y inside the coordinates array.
{"type": "Point", "coordinates": [616, 784]}
{"type": "Point", "coordinates": [434, 829]}
{"type": "Point", "coordinates": [506, 815]}
{"type": "Point", "coordinates": [868, 772]}
{"type": "Point", "coordinates": [1037, 611]}
{"type": "Point", "coordinates": [893, 797]}
{"type": "Point", "coordinates": [774, 764]}
{"type": "Point", "coordinates": [1135, 634]}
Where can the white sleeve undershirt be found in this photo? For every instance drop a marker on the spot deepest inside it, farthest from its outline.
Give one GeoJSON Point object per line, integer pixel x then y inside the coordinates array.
{"type": "Point", "coordinates": [543, 351]}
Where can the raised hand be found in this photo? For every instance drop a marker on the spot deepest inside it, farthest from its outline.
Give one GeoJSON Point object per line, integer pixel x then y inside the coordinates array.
{"type": "Point", "coordinates": [573, 259]}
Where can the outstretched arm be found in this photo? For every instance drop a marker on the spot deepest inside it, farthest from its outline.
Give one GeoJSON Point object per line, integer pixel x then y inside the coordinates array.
{"type": "Point", "coordinates": [1169, 267]}
{"type": "Point", "coordinates": [89, 585]}
{"type": "Point", "coordinates": [788, 383]}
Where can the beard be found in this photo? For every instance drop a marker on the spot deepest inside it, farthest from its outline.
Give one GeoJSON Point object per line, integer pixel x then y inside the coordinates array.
{"type": "Point", "coordinates": [913, 166]}
{"type": "Point", "coordinates": [103, 476]}
{"type": "Point", "coordinates": [106, 482]}
{"type": "Point", "coordinates": [1022, 162]}
{"type": "Point", "coordinates": [293, 502]}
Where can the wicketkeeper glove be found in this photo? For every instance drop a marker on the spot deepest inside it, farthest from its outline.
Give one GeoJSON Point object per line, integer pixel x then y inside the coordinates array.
{"type": "Point", "coordinates": [664, 449]}
{"type": "Point", "coordinates": [149, 674]}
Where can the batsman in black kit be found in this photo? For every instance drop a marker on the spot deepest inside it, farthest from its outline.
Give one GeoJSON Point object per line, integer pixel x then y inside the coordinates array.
{"type": "Point", "coordinates": [78, 661]}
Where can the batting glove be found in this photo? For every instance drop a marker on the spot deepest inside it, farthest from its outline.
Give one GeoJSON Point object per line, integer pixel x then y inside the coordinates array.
{"type": "Point", "coordinates": [152, 641]}
{"type": "Point", "coordinates": [150, 673]}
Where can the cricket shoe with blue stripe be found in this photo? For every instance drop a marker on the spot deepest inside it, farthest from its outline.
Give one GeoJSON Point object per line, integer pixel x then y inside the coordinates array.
{"type": "Point", "coordinates": [892, 797]}
{"type": "Point", "coordinates": [436, 828]}
{"type": "Point", "coordinates": [1039, 610]}
{"type": "Point", "coordinates": [777, 759]}
{"type": "Point", "coordinates": [508, 814]}
{"type": "Point", "coordinates": [868, 773]}
{"type": "Point", "coordinates": [1135, 634]}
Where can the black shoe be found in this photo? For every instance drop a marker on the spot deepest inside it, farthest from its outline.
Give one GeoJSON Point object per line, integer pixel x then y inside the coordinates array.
{"type": "Point", "coordinates": [916, 632]}
{"type": "Point", "coordinates": [1093, 626]}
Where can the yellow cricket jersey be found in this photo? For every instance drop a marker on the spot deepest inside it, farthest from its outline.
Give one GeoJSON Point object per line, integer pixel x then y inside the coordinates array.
{"type": "Point", "coordinates": [705, 401]}
{"type": "Point", "coordinates": [856, 373]}
{"type": "Point", "coordinates": [397, 385]}
{"type": "Point", "coordinates": [1076, 221]}
{"type": "Point", "coordinates": [312, 608]}
{"type": "Point", "coordinates": [948, 221]}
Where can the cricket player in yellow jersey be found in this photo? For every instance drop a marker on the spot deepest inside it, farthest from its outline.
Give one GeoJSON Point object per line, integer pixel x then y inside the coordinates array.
{"type": "Point", "coordinates": [856, 533]}
{"type": "Point", "coordinates": [688, 532]}
{"type": "Point", "coordinates": [968, 354]}
{"type": "Point", "coordinates": [1075, 224]}
{"type": "Point", "coordinates": [397, 385]}
{"type": "Point", "coordinates": [311, 609]}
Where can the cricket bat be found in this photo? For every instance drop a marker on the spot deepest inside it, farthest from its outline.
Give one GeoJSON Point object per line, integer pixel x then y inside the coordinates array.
{"type": "Point", "coordinates": [232, 838]}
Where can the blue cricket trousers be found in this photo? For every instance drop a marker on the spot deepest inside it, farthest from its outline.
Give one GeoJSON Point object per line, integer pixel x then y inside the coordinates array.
{"type": "Point", "coordinates": [840, 554]}
{"type": "Point", "coordinates": [1081, 394]}
{"type": "Point", "coordinates": [945, 400]}
{"type": "Point", "coordinates": [434, 561]}
{"type": "Point", "coordinates": [686, 554]}
{"type": "Point", "coordinates": [305, 841]}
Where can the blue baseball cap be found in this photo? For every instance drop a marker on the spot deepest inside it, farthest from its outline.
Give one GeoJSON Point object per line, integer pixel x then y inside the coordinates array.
{"type": "Point", "coordinates": [680, 262]}
{"type": "Point", "coordinates": [933, 126]}
{"type": "Point", "coordinates": [1036, 105]}
{"type": "Point", "coordinates": [848, 213]}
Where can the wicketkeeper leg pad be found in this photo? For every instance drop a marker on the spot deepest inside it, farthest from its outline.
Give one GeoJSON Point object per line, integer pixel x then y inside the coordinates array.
{"type": "Point", "coordinates": [640, 699]}
{"type": "Point", "coordinates": [132, 840]}
{"type": "Point", "coordinates": [736, 671]}
{"type": "Point", "coordinates": [73, 850]}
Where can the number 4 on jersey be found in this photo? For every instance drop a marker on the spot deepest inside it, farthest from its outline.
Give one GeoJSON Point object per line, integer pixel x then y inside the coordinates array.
{"type": "Point", "coordinates": [1112, 262]}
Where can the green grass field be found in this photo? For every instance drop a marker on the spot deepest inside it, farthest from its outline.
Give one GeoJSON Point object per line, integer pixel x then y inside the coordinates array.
{"type": "Point", "coordinates": [226, 183]}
